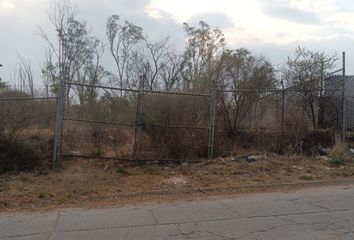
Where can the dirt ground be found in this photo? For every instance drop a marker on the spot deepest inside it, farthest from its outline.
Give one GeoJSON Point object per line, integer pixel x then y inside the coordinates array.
{"type": "Point", "coordinates": [83, 183]}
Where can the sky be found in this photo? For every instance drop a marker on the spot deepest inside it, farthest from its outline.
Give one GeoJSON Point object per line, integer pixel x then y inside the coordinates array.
{"type": "Point", "coordinates": [273, 28]}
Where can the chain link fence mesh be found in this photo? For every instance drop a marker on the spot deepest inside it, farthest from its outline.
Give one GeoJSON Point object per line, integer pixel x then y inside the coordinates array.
{"type": "Point", "coordinates": [133, 124]}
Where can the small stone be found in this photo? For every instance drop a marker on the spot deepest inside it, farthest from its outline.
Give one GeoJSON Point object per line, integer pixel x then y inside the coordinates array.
{"type": "Point", "coordinates": [106, 167]}
{"type": "Point", "coordinates": [323, 158]}
{"type": "Point", "coordinates": [177, 181]}
{"type": "Point", "coordinates": [298, 167]}
{"type": "Point", "coordinates": [252, 158]}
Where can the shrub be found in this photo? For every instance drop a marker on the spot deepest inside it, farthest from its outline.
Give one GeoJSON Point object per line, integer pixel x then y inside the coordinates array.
{"type": "Point", "coordinates": [306, 178]}
{"type": "Point", "coordinates": [318, 138]}
{"type": "Point", "coordinates": [336, 161]}
{"type": "Point", "coordinates": [161, 141]}
{"type": "Point", "coordinates": [96, 138]}
{"type": "Point", "coordinates": [122, 170]}
{"type": "Point", "coordinates": [337, 154]}
{"type": "Point", "coordinates": [16, 156]}
{"type": "Point", "coordinates": [41, 195]}
{"type": "Point", "coordinates": [19, 121]}
{"type": "Point", "coordinates": [295, 124]}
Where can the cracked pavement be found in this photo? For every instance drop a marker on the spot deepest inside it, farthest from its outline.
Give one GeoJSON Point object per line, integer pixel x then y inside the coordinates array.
{"type": "Point", "coordinates": [316, 213]}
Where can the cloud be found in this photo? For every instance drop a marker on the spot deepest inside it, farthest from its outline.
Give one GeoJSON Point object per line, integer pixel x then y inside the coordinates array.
{"type": "Point", "coordinates": [345, 5]}
{"type": "Point", "coordinates": [7, 5]}
{"type": "Point", "coordinates": [273, 27]}
{"type": "Point", "coordinates": [216, 19]}
{"type": "Point", "coordinates": [284, 10]}
{"type": "Point", "coordinates": [114, 5]}
{"type": "Point", "coordinates": [130, 4]}
{"type": "Point", "coordinates": [21, 37]}
{"type": "Point", "coordinates": [278, 53]}
{"type": "Point", "coordinates": [155, 23]}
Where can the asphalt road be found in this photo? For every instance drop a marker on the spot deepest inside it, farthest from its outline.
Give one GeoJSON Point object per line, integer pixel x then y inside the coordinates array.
{"type": "Point", "coordinates": [317, 213]}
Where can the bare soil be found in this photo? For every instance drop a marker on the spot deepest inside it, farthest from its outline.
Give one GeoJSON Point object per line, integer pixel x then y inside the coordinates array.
{"type": "Point", "coordinates": [85, 183]}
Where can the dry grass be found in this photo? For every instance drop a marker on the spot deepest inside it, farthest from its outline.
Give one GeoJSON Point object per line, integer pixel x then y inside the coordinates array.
{"type": "Point", "coordinates": [82, 182]}
{"type": "Point", "coordinates": [339, 154]}
{"type": "Point", "coordinates": [339, 149]}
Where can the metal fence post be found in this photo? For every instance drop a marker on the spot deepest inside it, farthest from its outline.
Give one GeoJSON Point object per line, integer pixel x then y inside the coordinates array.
{"type": "Point", "coordinates": [282, 116]}
{"type": "Point", "coordinates": [213, 104]}
{"type": "Point", "coordinates": [282, 108]}
{"type": "Point", "coordinates": [343, 98]}
{"type": "Point", "coordinates": [255, 114]}
{"type": "Point", "coordinates": [138, 119]}
{"type": "Point", "coordinates": [59, 124]}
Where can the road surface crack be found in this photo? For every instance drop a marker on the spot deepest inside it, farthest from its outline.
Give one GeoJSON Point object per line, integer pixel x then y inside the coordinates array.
{"type": "Point", "coordinates": [54, 226]}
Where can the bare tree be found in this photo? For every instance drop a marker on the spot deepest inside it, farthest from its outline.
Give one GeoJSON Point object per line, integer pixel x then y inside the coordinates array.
{"type": "Point", "coordinates": [241, 73]}
{"type": "Point", "coordinates": [171, 71]}
{"type": "Point", "coordinates": [25, 76]}
{"type": "Point", "coordinates": [304, 72]}
{"type": "Point", "coordinates": [151, 61]}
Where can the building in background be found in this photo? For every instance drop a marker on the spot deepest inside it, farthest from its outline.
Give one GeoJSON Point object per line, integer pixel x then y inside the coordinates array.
{"type": "Point", "coordinates": [330, 111]}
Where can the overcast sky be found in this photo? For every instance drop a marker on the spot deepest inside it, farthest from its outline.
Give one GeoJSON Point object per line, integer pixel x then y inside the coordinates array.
{"type": "Point", "coordinates": [269, 27]}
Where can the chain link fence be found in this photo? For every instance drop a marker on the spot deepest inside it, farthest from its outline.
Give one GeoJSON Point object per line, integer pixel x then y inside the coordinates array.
{"type": "Point", "coordinates": [333, 95]}
{"type": "Point", "coordinates": [147, 125]}
{"type": "Point", "coordinates": [274, 119]}
{"type": "Point", "coordinates": [101, 127]}
{"type": "Point", "coordinates": [26, 130]}
{"type": "Point", "coordinates": [136, 124]}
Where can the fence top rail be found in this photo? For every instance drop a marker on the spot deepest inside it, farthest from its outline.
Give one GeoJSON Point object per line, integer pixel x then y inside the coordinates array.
{"type": "Point", "coordinates": [133, 124]}
{"type": "Point", "coordinates": [179, 127]}
{"type": "Point", "coordinates": [28, 99]}
{"type": "Point", "coordinates": [331, 73]}
{"type": "Point", "coordinates": [99, 122]}
{"type": "Point", "coordinates": [137, 90]}
{"type": "Point", "coordinates": [179, 93]}
{"type": "Point", "coordinates": [102, 87]}
{"type": "Point", "coordinates": [278, 90]}
{"type": "Point", "coordinates": [205, 94]}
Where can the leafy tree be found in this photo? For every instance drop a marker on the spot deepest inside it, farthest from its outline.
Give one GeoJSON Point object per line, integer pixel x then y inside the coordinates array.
{"type": "Point", "coordinates": [91, 73]}
{"type": "Point", "coordinates": [3, 85]}
{"type": "Point", "coordinates": [204, 46]}
{"type": "Point", "coordinates": [50, 74]}
{"type": "Point", "coordinates": [123, 40]}
{"type": "Point", "coordinates": [73, 47]}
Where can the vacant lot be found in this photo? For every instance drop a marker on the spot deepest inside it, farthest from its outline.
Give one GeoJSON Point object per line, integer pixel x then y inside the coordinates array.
{"type": "Point", "coordinates": [84, 182]}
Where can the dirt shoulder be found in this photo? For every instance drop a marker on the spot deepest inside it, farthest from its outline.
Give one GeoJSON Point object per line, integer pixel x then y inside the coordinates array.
{"type": "Point", "coordinates": [91, 183]}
